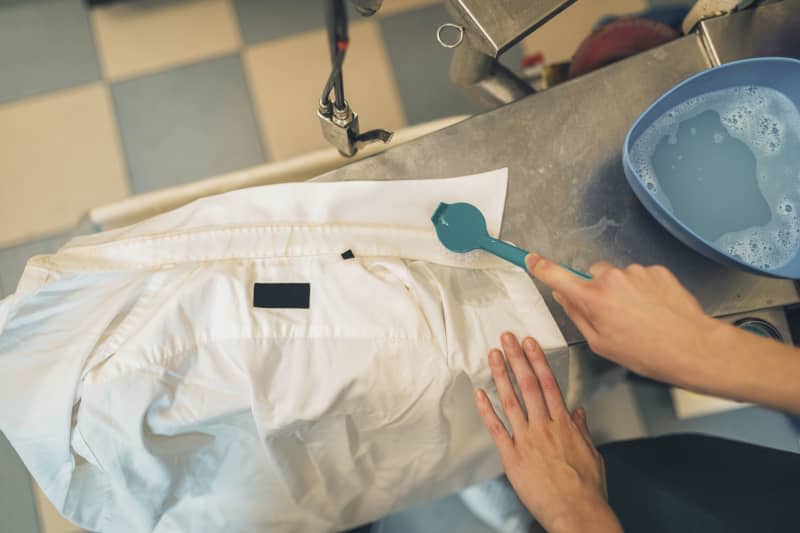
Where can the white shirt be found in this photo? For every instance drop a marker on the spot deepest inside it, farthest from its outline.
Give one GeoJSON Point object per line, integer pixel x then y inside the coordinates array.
{"type": "Point", "coordinates": [145, 392]}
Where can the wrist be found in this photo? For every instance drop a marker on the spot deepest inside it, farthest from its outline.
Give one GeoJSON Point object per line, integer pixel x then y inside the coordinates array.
{"type": "Point", "coordinates": [712, 357]}
{"type": "Point", "coordinates": [693, 354]}
{"type": "Point", "coordinates": [597, 517]}
{"type": "Point", "coordinates": [742, 366]}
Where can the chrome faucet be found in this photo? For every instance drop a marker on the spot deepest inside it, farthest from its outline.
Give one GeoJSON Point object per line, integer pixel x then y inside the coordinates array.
{"type": "Point", "coordinates": [339, 122]}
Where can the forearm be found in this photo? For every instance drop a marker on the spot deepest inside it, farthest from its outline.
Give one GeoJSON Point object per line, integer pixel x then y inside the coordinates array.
{"type": "Point", "coordinates": [742, 366]}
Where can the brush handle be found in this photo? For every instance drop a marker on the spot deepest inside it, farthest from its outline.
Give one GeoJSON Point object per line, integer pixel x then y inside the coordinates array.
{"type": "Point", "coordinates": [579, 273]}
{"type": "Point", "coordinates": [506, 251]}
{"type": "Point", "coordinates": [515, 255]}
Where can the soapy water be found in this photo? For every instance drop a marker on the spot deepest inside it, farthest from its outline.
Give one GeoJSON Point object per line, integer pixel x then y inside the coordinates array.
{"type": "Point", "coordinates": [727, 164]}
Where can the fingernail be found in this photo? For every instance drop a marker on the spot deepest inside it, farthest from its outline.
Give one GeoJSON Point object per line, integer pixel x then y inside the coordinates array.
{"type": "Point", "coordinates": [507, 337]}
{"type": "Point", "coordinates": [530, 344]}
{"type": "Point", "coordinates": [478, 395]}
{"type": "Point", "coordinates": [531, 260]}
{"type": "Point", "coordinates": [581, 412]}
{"type": "Point", "coordinates": [557, 298]}
{"type": "Point", "coordinates": [494, 357]}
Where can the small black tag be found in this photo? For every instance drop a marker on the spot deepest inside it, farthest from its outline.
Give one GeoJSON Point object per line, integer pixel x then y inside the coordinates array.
{"type": "Point", "coordinates": [348, 254]}
{"type": "Point", "coordinates": [282, 295]}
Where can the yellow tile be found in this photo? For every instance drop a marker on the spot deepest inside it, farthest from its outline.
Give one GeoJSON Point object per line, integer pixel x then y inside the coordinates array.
{"type": "Point", "coordinates": [134, 38]}
{"type": "Point", "coordinates": [286, 78]}
{"type": "Point", "coordinates": [560, 38]}
{"type": "Point", "coordinates": [59, 157]}
{"type": "Point", "coordinates": [50, 520]}
{"type": "Point", "coordinates": [390, 7]}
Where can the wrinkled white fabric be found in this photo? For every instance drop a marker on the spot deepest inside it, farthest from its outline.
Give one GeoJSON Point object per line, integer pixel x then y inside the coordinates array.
{"type": "Point", "coordinates": [144, 391]}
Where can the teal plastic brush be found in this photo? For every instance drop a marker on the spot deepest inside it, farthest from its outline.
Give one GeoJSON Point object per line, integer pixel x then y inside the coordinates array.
{"type": "Point", "coordinates": [461, 228]}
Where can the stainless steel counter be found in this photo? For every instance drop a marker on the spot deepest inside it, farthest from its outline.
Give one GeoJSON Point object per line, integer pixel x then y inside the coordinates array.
{"type": "Point", "coordinates": [568, 198]}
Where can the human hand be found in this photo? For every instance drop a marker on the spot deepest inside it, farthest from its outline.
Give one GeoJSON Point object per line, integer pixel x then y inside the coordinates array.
{"type": "Point", "coordinates": [640, 317]}
{"type": "Point", "coordinates": [550, 459]}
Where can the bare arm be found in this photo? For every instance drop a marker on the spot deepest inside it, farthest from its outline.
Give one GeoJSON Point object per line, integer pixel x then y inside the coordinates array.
{"type": "Point", "coordinates": [644, 319]}
{"type": "Point", "coordinates": [746, 367]}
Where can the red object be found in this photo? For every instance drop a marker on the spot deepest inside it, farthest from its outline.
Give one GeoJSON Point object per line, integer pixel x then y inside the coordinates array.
{"type": "Point", "coordinates": [342, 44]}
{"type": "Point", "coordinates": [617, 40]}
{"type": "Point", "coordinates": [531, 60]}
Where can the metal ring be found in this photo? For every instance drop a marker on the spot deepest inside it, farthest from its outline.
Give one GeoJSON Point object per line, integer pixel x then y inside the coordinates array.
{"type": "Point", "coordinates": [460, 30]}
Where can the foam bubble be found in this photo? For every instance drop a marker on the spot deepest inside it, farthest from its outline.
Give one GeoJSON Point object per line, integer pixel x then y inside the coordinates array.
{"type": "Point", "coordinates": [769, 124]}
{"type": "Point", "coordinates": [786, 207]}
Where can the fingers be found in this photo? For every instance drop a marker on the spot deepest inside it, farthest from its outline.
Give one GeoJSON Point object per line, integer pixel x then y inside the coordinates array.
{"type": "Point", "coordinates": [505, 391]}
{"type": "Point", "coordinates": [575, 314]}
{"type": "Point", "coordinates": [579, 417]}
{"type": "Point", "coordinates": [528, 383]}
{"type": "Point", "coordinates": [547, 381]}
{"type": "Point", "coordinates": [599, 268]}
{"type": "Point", "coordinates": [557, 278]}
{"type": "Point", "coordinates": [496, 428]}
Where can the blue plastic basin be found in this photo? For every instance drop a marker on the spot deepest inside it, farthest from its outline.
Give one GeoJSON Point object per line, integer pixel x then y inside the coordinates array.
{"type": "Point", "coordinates": [779, 73]}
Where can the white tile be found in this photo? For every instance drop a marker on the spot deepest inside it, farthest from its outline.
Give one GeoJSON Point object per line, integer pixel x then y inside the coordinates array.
{"type": "Point", "coordinates": [135, 38]}
{"type": "Point", "coordinates": [59, 156]}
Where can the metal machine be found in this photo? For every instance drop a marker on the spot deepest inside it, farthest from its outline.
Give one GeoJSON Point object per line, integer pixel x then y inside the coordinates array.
{"type": "Point", "coordinates": [481, 32]}
{"type": "Point", "coordinates": [567, 196]}
{"type": "Point", "coordinates": [484, 31]}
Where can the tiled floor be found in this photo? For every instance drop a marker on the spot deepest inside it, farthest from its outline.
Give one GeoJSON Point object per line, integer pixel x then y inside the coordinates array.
{"type": "Point", "coordinates": [144, 94]}
{"type": "Point", "coordinates": [265, 21]}
{"type": "Point", "coordinates": [45, 46]}
{"type": "Point", "coordinates": [145, 36]}
{"type": "Point", "coordinates": [59, 156]}
{"type": "Point", "coordinates": [203, 109]}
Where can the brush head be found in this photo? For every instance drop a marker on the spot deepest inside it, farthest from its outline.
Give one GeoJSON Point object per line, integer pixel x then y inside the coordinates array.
{"type": "Point", "coordinates": [460, 227]}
